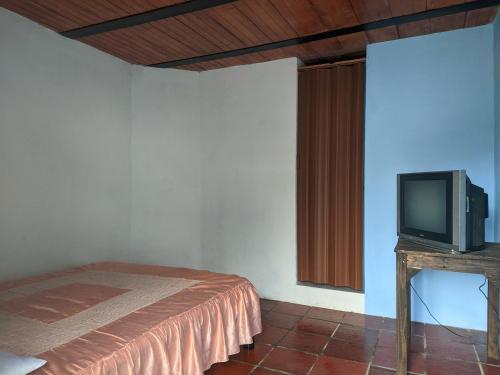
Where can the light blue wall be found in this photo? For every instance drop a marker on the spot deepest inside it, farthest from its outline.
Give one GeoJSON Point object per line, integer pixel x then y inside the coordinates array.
{"type": "Point", "coordinates": [496, 38]}
{"type": "Point", "coordinates": [429, 106]}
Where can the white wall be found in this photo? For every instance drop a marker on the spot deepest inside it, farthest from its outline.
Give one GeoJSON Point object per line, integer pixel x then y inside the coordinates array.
{"type": "Point", "coordinates": [99, 160]}
{"type": "Point", "coordinates": [166, 191]}
{"type": "Point", "coordinates": [103, 161]}
{"type": "Point", "coordinates": [213, 176]}
{"type": "Point", "coordinates": [64, 151]}
{"type": "Point", "coordinates": [248, 176]}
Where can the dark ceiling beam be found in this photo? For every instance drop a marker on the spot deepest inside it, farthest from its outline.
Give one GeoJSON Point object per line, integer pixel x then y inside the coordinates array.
{"type": "Point", "coordinates": [394, 21]}
{"type": "Point", "coordinates": [140, 18]}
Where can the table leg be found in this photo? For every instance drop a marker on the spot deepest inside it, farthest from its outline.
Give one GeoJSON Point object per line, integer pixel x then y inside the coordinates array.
{"type": "Point", "coordinates": [408, 311]}
{"type": "Point", "coordinates": [402, 314]}
{"type": "Point", "coordinates": [410, 272]}
{"type": "Point", "coordinates": [492, 321]}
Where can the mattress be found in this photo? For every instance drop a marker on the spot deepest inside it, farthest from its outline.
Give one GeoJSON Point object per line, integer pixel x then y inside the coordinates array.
{"type": "Point", "coordinates": [120, 318]}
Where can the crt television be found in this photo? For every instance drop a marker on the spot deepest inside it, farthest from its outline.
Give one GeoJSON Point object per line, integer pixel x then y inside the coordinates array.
{"type": "Point", "coordinates": [442, 209]}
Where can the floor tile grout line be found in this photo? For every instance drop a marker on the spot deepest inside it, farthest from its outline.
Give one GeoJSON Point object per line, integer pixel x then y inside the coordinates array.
{"type": "Point", "coordinates": [425, 352]}
{"type": "Point", "coordinates": [368, 368]}
{"type": "Point", "coordinates": [373, 354]}
{"type": "Point", "coordinates": [384, 367]}
{"type": "Point", "coordinates": [347, 312]}
{"type": "Point", "coordinates": [322, 353]}
{"type": "Point", "coordinates": [273, 309]}
{"type": "Point", "coordinates": [259, 365]}
{"type": "Point", "coordinates": [262, 360]}
{"type": "Point", "coordinates": [294, 329]}
{"type": "Point", "coordinates": [297, 350]}
{"type": "Point", "coordinates": [335, 330]}
{"type": "Point", "coordinates": [330, 339]}
{"type": "Point", "coordinates": [381, 328]}
{"type": "Point", "coordinates": [276, 345]}
{"type": "Point", "coordinates": [325, 320]}
{"type": "Point", "coordinates": [392, 369]}
{"type": "Point", "coordinates": [276, 370]}
{"type": "Point", "coordinates": [478, 359]}
{"type": "Point", "coordinates": [312, 367]}
{"type": "Point", "coordinates": [285, 313]}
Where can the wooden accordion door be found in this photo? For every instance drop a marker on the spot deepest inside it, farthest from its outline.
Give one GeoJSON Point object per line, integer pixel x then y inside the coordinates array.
{"type": "Point", "coordinates": [330, 175]}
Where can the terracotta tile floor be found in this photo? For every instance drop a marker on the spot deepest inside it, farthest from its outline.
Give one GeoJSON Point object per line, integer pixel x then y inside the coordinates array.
{"type": "Point", "coordinates": [305, 340]}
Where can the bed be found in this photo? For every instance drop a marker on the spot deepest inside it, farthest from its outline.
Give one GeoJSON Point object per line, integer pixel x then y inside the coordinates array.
{"type": "Point", "coordinates": [120, 318]}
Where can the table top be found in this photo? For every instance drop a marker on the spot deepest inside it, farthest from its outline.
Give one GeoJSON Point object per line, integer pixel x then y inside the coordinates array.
{"type": "Point", "coordinates": [490, 252]}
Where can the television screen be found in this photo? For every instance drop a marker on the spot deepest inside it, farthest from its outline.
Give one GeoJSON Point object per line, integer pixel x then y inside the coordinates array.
{"type": "Point", "coordinates": [425, 208]}
{"type": "Point", "coordinates": [441, 209]}
{"type": "Point", "coordinates": [425, 205]}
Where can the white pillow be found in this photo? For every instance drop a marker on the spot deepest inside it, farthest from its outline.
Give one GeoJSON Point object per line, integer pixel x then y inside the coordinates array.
{"type": "Point", "coordinates": [11, 364]}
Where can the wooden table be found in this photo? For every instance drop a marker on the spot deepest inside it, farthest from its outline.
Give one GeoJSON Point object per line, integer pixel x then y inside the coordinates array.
{"type": "Point", "coordinates": [412, 257]}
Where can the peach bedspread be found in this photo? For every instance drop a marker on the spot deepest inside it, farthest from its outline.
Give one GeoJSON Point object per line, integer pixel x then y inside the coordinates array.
{"type": "Point", "coordinates": [204, 319]}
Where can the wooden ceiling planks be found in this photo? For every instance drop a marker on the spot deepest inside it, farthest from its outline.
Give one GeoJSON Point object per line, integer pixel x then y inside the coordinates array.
{"type": "Point", "coordinates": [373, 10]}
{"type": "Point", "coordinates": [231, 18]}
{"type": "Point", "coordinates": [300, 15]}
{"type": "Point", "coordinates": [63, 15]}
{"type": "Point", "coordinates": [335, 14]}
{"type": "Point", "coordinates": [433, 4]}
{"type": "Point", "coordinates": [241, 24]}
{"type": "Point", "coordinates": [480, 17]}
{"type": "Point", "coordinates": [163, 40]}
{"type": "Point", "coordinates": [404, 7]}
{"type": "Point", "coordinates": [353, 42]}
{"type": "Point", "coordinates": [414, 29]}
{"type": "Point", "coordinates": [267, 18]}
{"type": "Point", "coordinates": [446, 23]}
{"type": "Point", "coordinates": [205, 24]}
